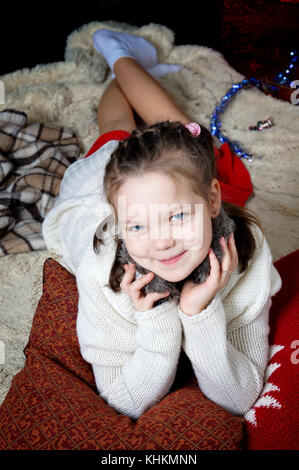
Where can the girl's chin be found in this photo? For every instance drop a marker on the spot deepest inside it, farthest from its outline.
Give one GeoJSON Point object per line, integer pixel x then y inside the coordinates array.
{"type": "Point", "coordinates": [174, 274]}
{"type": "Point", "coordinates": [174, 279]}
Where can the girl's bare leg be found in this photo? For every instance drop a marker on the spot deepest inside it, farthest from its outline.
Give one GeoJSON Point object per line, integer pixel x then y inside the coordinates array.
{"type": "Point", "coordinates": [145, 94]}
{"type": "Point", "coordinates": [115, 111]}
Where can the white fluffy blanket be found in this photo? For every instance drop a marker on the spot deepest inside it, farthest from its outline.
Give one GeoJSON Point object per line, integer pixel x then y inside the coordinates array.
{"type": "Point", "coordinates": [67, 94]}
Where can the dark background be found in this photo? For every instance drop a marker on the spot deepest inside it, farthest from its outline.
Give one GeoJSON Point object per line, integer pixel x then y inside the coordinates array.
{"type": "Point", "coordinates": [254, 36]}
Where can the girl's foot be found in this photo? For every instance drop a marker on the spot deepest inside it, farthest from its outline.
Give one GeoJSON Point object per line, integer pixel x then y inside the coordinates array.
{"type": "Point", "coordinates": [160, 70]}
{"type": "Point", "coordinates": [114, 46]}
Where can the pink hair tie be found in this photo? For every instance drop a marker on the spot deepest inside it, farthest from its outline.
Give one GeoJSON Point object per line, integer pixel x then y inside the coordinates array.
{"type": "Point", "coordinates": [194, 128]}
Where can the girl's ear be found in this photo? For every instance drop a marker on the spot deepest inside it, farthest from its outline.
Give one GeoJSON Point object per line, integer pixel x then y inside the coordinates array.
{"type": "Point", "coordinates": [215, 198]}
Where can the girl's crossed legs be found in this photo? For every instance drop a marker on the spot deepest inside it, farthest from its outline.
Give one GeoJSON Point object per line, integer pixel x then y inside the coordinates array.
{"type": "Point", "coordinates": [135, 88]}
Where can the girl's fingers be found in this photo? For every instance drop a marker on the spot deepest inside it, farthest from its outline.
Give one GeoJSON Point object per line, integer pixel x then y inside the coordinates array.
{"type": "Point", "coordinates": [234, 250]}
{"type": "Point", "coordinates": [142, 281]}
{"type": "Point", "coordinates": [226, 260]}
{"type": "Point", "coordinates": [215, 267]}
{"type": "Point", "coordinates": [128, 276]}
{"type": "Point", "coordinates": [234, 259]}
{"type": "Point", "coordinates": [150, 298]}
{"type": "Point", "coordinates": [133, 288]}
{"type": "Point", "coordinates": [230, 255]}
{"type": "Point", "coordinates": [158, 295]}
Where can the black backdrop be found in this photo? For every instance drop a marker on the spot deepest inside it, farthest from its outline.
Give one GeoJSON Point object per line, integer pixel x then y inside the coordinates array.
{"type": "Point", "coordinates": [36, 33]}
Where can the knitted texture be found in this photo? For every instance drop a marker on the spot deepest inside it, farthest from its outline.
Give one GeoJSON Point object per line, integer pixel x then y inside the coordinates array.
{"type": "Point", "coordinates": [134, 354]}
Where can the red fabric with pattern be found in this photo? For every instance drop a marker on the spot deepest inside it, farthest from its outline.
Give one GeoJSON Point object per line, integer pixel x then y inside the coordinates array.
{"type": "Point", "coordinates": [273, 422]}
{"type": "Point", "coordinates": [53, 402]}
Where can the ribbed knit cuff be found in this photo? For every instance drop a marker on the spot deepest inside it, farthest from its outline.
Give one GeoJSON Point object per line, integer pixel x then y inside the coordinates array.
{"type": "Point", "coordinates": [152, 313]}
{"type": "Point", "coordinates": [159, 329]}
{"type": "Point", "coordinates": [213, 306]}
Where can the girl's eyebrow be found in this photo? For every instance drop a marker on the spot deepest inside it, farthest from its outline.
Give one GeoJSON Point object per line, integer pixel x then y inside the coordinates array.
{"type": "Point", "coordinates": [131, 221]}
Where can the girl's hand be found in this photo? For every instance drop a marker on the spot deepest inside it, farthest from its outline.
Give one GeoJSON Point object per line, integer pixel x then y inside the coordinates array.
{"type": "Point", "coordinates": [141, 302]}
{"type": "Point", "coordinates": [195, 297]}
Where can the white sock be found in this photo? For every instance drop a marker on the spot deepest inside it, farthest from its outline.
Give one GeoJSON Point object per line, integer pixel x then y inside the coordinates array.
{"type": "Point", "coordinates": [114, 46]}
{"type": "Point", "coordinates": [159, 70]}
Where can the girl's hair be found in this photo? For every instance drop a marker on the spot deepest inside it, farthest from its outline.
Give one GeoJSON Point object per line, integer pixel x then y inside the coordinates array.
{"type": "Point", "coordinates": [169, 148]}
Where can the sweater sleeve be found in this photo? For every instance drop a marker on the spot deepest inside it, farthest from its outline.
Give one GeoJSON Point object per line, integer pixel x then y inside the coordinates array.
{"type": "Point", "coordinates": [69, 227]}
{"type": "Point", "coordinates": [80, 207]}
{"type": "Point", "coordinates": [227, 343]}
{"type": "Point", "coordinates": [134, 363]}
{"type": "Point", "coordinates": [229, 367]}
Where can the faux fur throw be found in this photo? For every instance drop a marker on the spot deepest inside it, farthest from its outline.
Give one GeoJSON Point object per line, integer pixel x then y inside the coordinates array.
{"type": "Point", "coordinates": [222, 225]}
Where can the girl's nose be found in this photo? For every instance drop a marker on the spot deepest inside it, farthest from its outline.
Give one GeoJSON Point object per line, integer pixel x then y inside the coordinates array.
{"type": "Point", "coordinates": [162, 244]}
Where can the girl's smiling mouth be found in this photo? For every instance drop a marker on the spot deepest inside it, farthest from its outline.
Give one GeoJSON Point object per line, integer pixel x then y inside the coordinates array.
{"type": "Point", "coordinates": [174, 259]}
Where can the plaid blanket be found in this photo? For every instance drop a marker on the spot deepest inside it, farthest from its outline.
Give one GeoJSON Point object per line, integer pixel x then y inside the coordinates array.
{"type": "Point", "coordinates": [33, 159]}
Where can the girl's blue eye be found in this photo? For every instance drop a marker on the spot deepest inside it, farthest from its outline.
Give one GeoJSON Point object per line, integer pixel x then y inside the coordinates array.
{"type": "Point", "coordinates": [180, 217]}
{"type": "Point", "coordinates": [176, 215]}
{"type": "Point", "coordinates": [134, 227]}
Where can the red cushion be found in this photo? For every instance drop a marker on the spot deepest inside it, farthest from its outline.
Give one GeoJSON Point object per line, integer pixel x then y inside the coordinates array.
{"type": "Point", "coordinates": [273, 422]}
{"type": "Point", "coordinates": [53, 402]}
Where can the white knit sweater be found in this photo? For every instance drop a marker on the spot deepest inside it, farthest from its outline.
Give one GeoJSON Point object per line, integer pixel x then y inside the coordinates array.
{"type": "Point", "coordinates": [135, 354]}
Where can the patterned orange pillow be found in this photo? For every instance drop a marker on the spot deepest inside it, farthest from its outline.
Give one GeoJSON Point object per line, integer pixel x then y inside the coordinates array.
{"type": "Point", "coordinates": [53, 402]}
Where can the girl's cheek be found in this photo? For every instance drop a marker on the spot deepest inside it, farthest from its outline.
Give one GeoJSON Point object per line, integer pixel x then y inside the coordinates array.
{"type": "Point", "coordinates": [192, 236]}
{"type": "Point", "coordinates": [137, 248]}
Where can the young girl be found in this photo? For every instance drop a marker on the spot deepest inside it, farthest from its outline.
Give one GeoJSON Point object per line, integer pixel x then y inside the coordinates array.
{"type": "Point", "coordinates": [151, 197]}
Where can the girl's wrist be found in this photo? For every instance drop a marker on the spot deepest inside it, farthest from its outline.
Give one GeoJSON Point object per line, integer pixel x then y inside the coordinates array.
{"type": "Point", "coordinates": [190, 313]}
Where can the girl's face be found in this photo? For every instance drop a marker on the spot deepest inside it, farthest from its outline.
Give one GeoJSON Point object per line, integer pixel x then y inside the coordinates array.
{"type": "Point", "coordinates": [160, 220]}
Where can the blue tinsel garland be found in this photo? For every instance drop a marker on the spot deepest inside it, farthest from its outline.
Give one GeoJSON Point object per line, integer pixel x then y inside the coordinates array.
{"type": "Point", "coordinates": [282, 78]}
